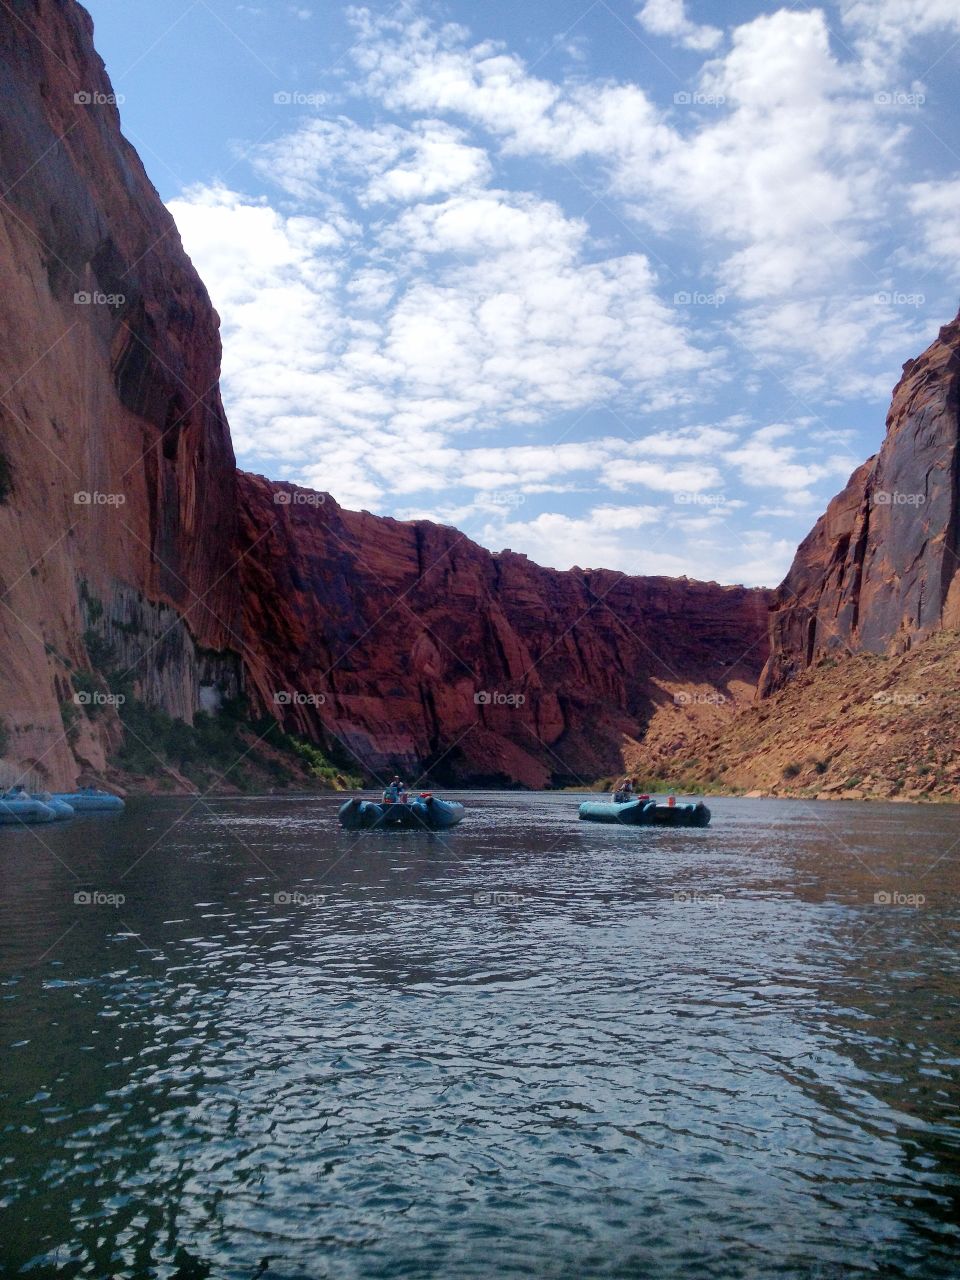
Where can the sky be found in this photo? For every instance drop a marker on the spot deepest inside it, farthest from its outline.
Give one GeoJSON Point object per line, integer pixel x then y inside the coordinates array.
{"type": "Point", "coordinates": [621, 283]}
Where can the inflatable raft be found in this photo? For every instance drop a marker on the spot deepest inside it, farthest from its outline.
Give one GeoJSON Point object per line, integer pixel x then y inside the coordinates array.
{"type": "Point", "coordinates": [17, 808]}
{"type": "Point", "coordinates": [60, 807]}
{"type": "Point", "coordinates": [89, 800]}
{"type": "Point", "coordinates": [644, 812]}
{"type": "Point", "coordinates": [425, 813]}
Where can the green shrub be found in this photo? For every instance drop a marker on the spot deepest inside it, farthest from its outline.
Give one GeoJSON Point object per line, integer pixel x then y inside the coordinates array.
{"type": "Point", "coordinates": [70, 716]}
{"type": "Point", "coordinates": [92, 606]}
{"type": "Point", "coordinates": [216, 747]}
{"type": "Point", "coordinates": [6, 478]}
{"type": "Point", "coordinates": [99, 651]}
{"type": "Point", "coordinates": [791, 770]}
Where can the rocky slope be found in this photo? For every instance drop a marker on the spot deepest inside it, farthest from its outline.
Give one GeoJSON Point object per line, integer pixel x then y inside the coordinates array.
{"type": "Point", "coordinates": [136, 565]}
{"type": "Point", "coordinates": [861, 693]}
{"type": "Point", "coordinates": [857, 726]}
{"type": "Point", "coordinates": [412, 647]}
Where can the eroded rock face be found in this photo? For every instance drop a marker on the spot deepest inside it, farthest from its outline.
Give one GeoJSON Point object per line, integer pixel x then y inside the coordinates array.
{"type": "Point", "coordinates": [124, 531]}
{"type": "Point", "coordinates": [119, 507]}
{"type": "Point", "coordinates": [412, 647]}
{"type": "Point", "coordinates": [879, 570]}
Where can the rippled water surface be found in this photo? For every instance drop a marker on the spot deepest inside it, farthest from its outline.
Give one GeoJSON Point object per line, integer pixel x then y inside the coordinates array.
{"type": "Point", "coordinates": [531, 1047]}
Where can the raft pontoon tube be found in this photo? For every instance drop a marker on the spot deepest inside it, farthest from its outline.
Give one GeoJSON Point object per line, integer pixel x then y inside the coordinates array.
{"type": "Point", "coordinates": [89, 800]}
{"type": "Point", "coordinates": [60, 807]}
{"type": "Point", "coordinates": [17, 808]}
{"type": "Point", "coordinates": [644, 812]}
{"type": "Point", "coordinates": [425, 813]}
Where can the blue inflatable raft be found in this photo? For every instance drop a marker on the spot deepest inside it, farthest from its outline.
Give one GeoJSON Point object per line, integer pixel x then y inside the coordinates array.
{"type": "Point", "coordinates": [17, 808]}
{"type": "Point", "coordinates": [90, 800]}
{"type": "Point", "coordinates": [644, 812]}
{"type": "Point", "coordinates": [60, 808]}
{"type": "Point", "coordinates": [425, 813]}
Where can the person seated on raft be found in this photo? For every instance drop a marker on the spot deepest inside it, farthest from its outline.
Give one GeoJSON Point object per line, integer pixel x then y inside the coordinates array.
{"type": "Point", "coordinates": [395, 793]}
{"type": "Point", "coordinates": [624, 791]}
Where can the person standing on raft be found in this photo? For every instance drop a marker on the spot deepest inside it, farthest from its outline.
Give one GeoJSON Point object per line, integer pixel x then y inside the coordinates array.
{"type": "Point", "coordinates": [624, 791]}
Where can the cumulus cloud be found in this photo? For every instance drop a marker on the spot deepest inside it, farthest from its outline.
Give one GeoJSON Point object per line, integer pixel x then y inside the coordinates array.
{"type": "Point", "coordinates": [417, 318]}
{"type": "Point", "coordinates": [884, 29]}
{"type": "Point", "coordinates": [382, 164]}
{"type": "Point", "coordinates": [783, 176]}
{"type": "Point", "coordinates": [645, 540]}
{"type": "Point", "coordinates": [669, 18]}
{"type": "Point", "coordinates": [936, 205]}
{"type": "Point", "coordinates": [769, 459]}
{"type": "Point", "coordinates": [363, 357]}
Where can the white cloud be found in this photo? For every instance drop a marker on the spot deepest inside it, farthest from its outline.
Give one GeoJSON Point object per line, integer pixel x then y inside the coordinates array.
{"type": "Point", "coordinates": [834, 345]}
{"type": "Point", "coordinates": [669, 18]}
{"type": "Point", "coordinates": [644, 540]}
{"type": "Point", "coordinates": [595, 540]}
{"type": "Point", "coordinates": [783, 178]}
{"type": "Point", "coordinates": [883, 29]}
{"type": "Point", "coordinates": [766, 461]}
{"type": "Point", "coordinates": [395, 163]}
{"type": "Point", "coordinates": [655, 475]}
{"type": "Point", "coordinates": [686, 441]}
{"type": "Point", "coordinates": [937, 206]}
{"type": "Point", "coordinates": [420, 318]}
{"type": "Point", "coordinates": [364, 359]}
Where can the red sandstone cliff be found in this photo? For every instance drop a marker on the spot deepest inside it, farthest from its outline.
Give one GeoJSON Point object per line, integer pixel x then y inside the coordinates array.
{"type": "Point", "coordinates": [428, 651]}
{"type": "Point", "coordinates": [108, 388]}
{"type": "Point", "coordinates": [124, 531]}
{"type": "Point", "coordinates": [861, 694]}
{"type": "Point", "coordinates": [878, 572]}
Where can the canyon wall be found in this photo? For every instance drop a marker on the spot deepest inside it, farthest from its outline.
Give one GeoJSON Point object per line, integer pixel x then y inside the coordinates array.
{"type": "Point", "coordinates": [861, 693]}
{"type": "Point", "coordinates": [410, 647]}
{"type": "Point", "coordinates": [130, 544]}
{"type": "Point", "coordinates": [878, 572]}
{"type": "Point", "coordinates": [117, 497]}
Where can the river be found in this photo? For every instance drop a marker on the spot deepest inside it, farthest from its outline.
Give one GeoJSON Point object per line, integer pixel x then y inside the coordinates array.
{"type": "Point", "coordinates": [238, 1042]}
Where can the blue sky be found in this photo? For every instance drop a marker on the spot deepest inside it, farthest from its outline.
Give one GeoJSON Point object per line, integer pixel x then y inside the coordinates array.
{"type": "Point", "coordinates": [622, 284]}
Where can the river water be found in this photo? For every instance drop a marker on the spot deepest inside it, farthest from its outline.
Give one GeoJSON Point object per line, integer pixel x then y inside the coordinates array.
{"type": "Point", "coordinates": [530, 1047]}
